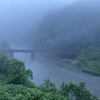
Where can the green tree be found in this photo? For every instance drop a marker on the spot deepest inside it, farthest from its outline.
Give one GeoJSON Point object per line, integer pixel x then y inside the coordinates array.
{"type": "Point", "coordinates": [76, 92]}
{"type": "Point", "coordinates": [4, 45]}
{"type": "Point", "coordinates": [4, 62]}
{"type": "Point", "coordinates": [5, 96]}
{"type": "Point", "coordinates": [81, 93]}
{"type": "Point", "coordinates": [48, 86]}
{"type": "Point", "coordinates": [17, 72]}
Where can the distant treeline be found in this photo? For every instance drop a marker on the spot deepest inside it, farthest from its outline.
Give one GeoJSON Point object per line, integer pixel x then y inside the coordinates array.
{"type": "Point", "coordinates": [75, 27]}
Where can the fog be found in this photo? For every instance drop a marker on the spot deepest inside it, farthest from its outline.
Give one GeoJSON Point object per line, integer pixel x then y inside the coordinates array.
{"type": "Point", "coordinates": [18, 18]}
{"type": "Point", "coordinates": [63, 25]}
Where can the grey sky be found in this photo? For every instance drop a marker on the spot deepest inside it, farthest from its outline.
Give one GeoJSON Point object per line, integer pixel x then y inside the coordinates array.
{"type": "Point", "coordinates": [17, 17]}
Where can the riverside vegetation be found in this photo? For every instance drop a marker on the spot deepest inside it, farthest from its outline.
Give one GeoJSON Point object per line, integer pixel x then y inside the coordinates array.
{"type": "Point", "coordinates": [15, 84]}
{"type": "Point", "coordinates": [90, 61]}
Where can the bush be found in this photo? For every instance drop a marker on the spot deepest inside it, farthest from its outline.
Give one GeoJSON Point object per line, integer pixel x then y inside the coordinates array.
{"type": "Point", "coordinates": [90, 62]}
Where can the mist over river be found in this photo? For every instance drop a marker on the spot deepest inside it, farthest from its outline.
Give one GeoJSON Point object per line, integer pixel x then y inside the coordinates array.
{"type": "Point", "coordinates": [62, 25]}
{"type": "Point", "coordinates": [58, 72]}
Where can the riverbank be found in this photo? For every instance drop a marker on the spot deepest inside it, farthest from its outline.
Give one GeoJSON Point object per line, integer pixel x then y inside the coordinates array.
{"type": "Point", "coordinates": [58, 72]}
{"type": "Point", "coordinates": [15, 82]}
{"type": "Point", "coordinates": [90, 61]}
{"type": "Point", "coordinates": [84, 64]}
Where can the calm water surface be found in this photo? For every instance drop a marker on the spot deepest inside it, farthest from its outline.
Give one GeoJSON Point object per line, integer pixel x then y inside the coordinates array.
{"type": "Point", "coordinates": [58, 72]}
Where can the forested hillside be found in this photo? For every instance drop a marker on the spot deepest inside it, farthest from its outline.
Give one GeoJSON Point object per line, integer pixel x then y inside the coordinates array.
{"type": "Point", "coordinates": [75, 27]}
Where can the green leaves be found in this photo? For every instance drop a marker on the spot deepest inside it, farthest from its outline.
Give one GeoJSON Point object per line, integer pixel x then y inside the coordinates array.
{"type": "Point", "coordinates": [5, 96]}
{"type": "Point", "coordinates": [20, 92]}
{"type": "Point", "coordinates": [90, 61]}
{"type": "Point", "coordinates": [4, 61]}
{"type": "Point", "coordinates": [77, 92]}
{"type": "Point", "coordinates": [29, 74]}
{"type": "Point", "coordinates": [26, 90]}
{"type": "Point", "coordinates": [48, 86]}
{"type": "Point", "coordinates": [15, 70]}
{"type": "Point", "coordinates": [69, 91]}
{"type": "Point", "coordinates": [81, 93]}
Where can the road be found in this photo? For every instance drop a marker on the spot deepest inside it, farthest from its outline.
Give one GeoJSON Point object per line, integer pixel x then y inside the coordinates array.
{"type": "Point", "coordinates": [58, 72]}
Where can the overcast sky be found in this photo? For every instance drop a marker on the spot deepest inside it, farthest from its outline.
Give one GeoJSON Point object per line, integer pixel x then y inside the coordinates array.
{"type": "Point", "coordinates": [13, 7]}
{"type": "Point", "coordinates": [17, 17]}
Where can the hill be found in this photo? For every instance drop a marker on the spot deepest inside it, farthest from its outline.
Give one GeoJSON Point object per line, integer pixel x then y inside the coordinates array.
{"type": "Point", "coordinates": [75, 27]}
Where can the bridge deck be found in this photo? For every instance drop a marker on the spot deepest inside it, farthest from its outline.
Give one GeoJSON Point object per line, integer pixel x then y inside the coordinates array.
{"type": "Point", "coordinates": [39, 51]}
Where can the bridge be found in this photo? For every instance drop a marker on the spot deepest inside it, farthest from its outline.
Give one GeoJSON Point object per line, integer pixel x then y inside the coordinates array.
{"type": "Point", "coordinates": [32, 52]}
{"type": "Point", "coordinates": [39, 51]}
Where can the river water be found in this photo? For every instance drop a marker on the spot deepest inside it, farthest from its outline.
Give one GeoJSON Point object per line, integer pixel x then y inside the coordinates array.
{"type": "Point", "coordinates": [58, 72]}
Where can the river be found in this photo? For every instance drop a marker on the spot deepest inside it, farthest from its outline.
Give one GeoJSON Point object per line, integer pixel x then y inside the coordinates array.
{"type": "Point", "coordinates": [57, 72]}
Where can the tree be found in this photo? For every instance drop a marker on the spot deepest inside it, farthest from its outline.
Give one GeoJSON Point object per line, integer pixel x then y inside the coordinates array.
{"type": "Point", "coordinates": [48, 86]}
{"type": "Point", "coordinates": [76, 92]}
{"type": "Point", "coordinates": [4, 61]}
{"type": "Point", "coordinates": [81, 93]}
{"type": "Point", "coordinates": [4, 45]}
{"type": "Point", "coordinates": [17, 72]}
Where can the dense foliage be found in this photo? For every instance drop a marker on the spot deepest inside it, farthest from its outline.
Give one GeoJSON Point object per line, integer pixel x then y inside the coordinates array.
{"type": "Point", "coordinates": [14, 70]}
{"type": "Point", "coordinates": [66, 92]}
{"type": "Point", "coordinates": [20, 92]}
{"type": "Point", "coordinates": [15, 84]}
{"type": "Point", "coordinates": [75, 27]}
{"type": "Point", "coordinates": [90, 61]}
{"type": "Point", "coordinates": [5, 45]}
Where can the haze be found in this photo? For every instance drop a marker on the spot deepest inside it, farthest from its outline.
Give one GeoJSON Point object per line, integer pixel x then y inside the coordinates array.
{"type": "Point", "coordinates": [20, 17]}
{"type": "Point", "coordinates": [62, 38]}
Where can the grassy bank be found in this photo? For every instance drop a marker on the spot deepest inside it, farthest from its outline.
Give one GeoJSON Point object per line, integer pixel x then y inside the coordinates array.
{"type": "Point", "coordinates": [90, 62]}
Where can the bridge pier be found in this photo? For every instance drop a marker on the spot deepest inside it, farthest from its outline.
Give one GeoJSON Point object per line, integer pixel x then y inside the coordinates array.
{"type": "Point", "coordinates": [32, 56]}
